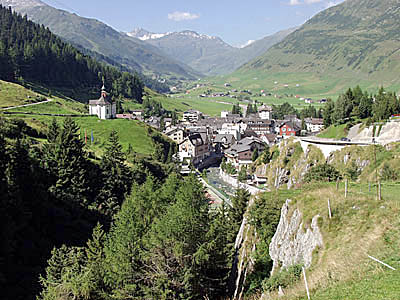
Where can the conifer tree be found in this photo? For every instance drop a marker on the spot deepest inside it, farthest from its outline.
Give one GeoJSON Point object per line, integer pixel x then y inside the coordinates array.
{"type": "Point", "coordinates": [239, 205]}
{"type": "Point", "coordinates": [115, 177]}
{"type": "Point", "coordinates": [219, 246]}
{"type": "Point", "coordinates": [124, 245]}
{"type": "Point", "coordinates": [69, 157]}
{"type": "Point", "coordinates": [177, 252]}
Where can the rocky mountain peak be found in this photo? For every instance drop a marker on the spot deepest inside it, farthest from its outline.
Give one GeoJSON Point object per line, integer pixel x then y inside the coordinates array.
{"type": "Point", "coordinates": [19, 4]}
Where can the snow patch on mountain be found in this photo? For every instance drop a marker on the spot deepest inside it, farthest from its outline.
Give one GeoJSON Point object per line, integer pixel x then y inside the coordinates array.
{"type": "Point", "coordinates": [144, 35]}
{"type": "Point", "coordinates": [248, 43]}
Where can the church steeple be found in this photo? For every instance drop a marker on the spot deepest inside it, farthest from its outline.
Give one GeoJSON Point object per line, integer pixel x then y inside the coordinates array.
{"type": "Point", "coordinates": [103, 91]}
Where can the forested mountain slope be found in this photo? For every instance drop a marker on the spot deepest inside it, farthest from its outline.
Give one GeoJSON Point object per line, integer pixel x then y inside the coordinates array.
{"type": "Point", "coordinates": [97, 36]}
{"type": "Point", "coordinates": [30, 52]}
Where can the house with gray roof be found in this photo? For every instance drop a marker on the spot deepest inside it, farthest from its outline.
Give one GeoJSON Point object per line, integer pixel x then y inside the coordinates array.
{"type": "Point", "coordinates": [222, 142]}
{"type": "Point", "coordinates": [241, 153]}
{"type": "Point", "coordinates": [195, 147]}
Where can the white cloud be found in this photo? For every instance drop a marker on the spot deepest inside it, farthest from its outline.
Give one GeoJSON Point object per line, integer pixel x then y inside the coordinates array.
{"type": "Point", "coordinates": [294, 2]}
{"type": "Point", "coordinates": [307, 2]}
{"type": "Point", "coordinates": [182, 16]}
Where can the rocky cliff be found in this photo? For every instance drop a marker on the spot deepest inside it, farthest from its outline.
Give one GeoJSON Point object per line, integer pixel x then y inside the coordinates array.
{"type": "Point", "coordinates": [382, 133]}
{"type": "Point", "coordinates": [292, 244]}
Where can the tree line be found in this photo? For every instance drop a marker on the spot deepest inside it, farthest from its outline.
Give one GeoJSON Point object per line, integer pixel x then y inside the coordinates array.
{"type": "Point", "coordinates": [355, 103]}
{"type": "Point", "coordinates": [30, 52]}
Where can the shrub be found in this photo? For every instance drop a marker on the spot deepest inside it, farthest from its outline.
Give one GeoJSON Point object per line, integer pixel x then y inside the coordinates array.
{"type": "Point", "coordinates": [322, 172]}
{"type": "Point", "coordinates": [284, 278]}
{"type": "Point", "coordinates": [388, 173]}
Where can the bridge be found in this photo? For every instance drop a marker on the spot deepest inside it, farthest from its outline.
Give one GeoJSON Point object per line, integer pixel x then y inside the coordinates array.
{"type": "Point", "coordinates": [327, 146]}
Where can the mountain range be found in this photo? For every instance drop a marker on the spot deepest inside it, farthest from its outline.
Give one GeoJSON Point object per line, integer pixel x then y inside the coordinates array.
{"type": "Point", "coordinates": [209, 55]}
{"type": "Point", "coordinates": [175, 55]}
{"type": "Point", "coordinates": [96, 36]}
{"type": "Point", "coordinates": [358, 40]}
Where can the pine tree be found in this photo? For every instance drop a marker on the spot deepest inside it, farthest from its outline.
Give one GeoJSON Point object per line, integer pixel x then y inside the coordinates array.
{"type": "Point", "coordinates": [71, 184]}
{"type": "Point", "coordinates": [219, 247]}
{"type": "Point", "coordinates": [116, 177]}
{"type": "Point", "coordinates": [177, 252]}
{"type": "Point", "coordinates": [124, 245]}
{"type": "Point", "coordinates": [239, 205]}
{"type": "Point", "coordinates": [254, 156]}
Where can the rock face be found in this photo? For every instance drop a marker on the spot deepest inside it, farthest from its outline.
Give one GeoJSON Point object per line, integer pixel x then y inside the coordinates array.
{"type": "Point", "coordinates": [243, 263]}
{"type": "Point", "coordinates": [290, 244]}
{"type": "Point", "coordinates": [388, 133]}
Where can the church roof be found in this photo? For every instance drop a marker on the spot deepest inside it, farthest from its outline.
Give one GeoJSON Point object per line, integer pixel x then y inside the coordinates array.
{"type": "Point", "coordinates": [102, 100]}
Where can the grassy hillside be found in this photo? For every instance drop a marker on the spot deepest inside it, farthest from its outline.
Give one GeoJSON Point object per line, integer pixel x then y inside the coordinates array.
{"type": "Point", "coordinates": [360, 226]}
{"type": "Point", "coordinates": [130, 132]}
{"type": "Point", "coordinates": [12, 94]}
{"type": "Point", "coordinates": [334, 132]}
{"type": "Point", "coordinates": [355, 42]}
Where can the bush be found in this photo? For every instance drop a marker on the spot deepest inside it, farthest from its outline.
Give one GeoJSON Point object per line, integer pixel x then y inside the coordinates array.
{"type": "Point", "coordinates": [322, 172]}
{"type": "Point", "coordinates": [352, 171]}
{"type": "Point", "coordinates": [388, 173]}
{"type": "Point", "coordinates": [284, 278]}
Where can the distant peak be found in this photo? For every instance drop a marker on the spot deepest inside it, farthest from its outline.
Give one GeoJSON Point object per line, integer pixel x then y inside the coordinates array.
{"type": "Point", "coordinates": [195, 34]}
{"type": "Point", "coordinates": [143, 34]}
{"type": "Point", "coordinates": [21, 3]}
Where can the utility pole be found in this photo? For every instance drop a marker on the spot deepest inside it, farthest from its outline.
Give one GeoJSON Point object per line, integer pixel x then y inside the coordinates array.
{"type": "Point", "coordinates": [376, 170]}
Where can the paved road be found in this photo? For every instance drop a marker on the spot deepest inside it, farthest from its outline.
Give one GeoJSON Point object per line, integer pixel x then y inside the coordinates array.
{"type": "Point", "coordinates": [25, 105]}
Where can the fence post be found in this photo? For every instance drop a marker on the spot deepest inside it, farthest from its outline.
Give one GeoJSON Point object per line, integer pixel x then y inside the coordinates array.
{"type": "Point", "coordinates": [380, 191]}
{"type": "Point", "coordinates": [329, 208]}
{"type": "Point", "coordinates": [369, 187]}
{"type": "Point", "coordinates": [337, 184]}
{"type": "Point", "coordinates": [345, 187]}
{"type": "Point", "coordinates": [305, 282]}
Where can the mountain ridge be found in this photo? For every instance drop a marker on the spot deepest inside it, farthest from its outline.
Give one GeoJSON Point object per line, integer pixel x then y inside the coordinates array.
{"type": "Point", "coordinates": [103, 39]}
{"type": "Point", "coordinates": [355, 38]}
{"type": "Point", "coordinates": [209, 55]}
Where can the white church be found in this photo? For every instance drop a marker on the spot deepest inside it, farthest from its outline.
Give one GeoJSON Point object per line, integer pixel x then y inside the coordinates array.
{"type": "Point", "coordinates": [103, 107]}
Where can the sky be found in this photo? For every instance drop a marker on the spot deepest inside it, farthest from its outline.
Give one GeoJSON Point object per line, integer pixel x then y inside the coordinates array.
{"type": "Point", "coordinates": [236, 22]}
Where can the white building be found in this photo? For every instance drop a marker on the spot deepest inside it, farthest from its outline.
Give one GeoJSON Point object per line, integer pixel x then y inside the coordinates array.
{"type": "Point", "coordinates": [235, 129]}
{"type": "Point", "coordinates": [224, 114]}
{"type": "Point", "coordinates": [265, 112]}
{"type": "Point", "coordinates": [103, 108]}
{"type": "Point", "coordinates": [314, 124]}
{"type": "Point", "coordinates": [192, 115]}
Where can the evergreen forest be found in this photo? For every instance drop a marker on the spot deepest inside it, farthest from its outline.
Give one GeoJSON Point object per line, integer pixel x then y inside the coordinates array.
{"type": "Point", "coordinates": [75, 226]}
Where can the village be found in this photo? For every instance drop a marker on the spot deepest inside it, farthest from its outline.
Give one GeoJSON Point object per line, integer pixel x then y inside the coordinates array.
{"type": "Point", "coordinates": [205, 141]}
{"type": "Point", "coordinates": [235, 139]}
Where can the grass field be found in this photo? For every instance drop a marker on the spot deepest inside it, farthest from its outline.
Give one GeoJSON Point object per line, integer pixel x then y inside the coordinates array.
{"type": "Point", "coordinates": [334, 132]}
{"type": "Point", "coordinates": [130, 132]}
{"type": "Point", "coordinates": [302, 84]}
{"type": "Point", "coordinates": [12, 94]}
{"type": "Point", "coordinates": [360, 226]}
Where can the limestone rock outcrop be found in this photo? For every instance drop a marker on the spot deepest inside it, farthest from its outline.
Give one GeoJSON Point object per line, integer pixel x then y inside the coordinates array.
{"type": "Point", "coordinates": [291, 244]}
